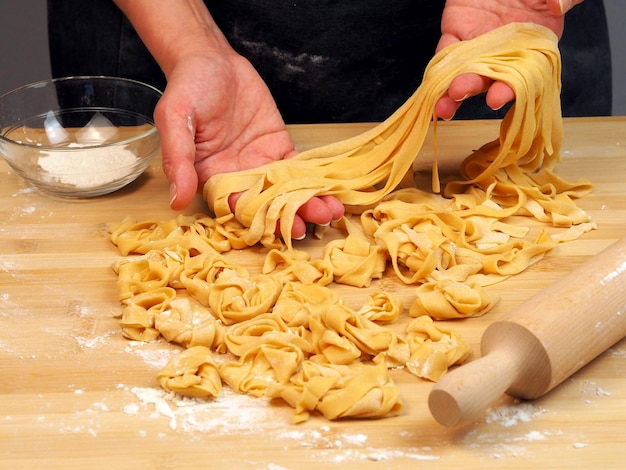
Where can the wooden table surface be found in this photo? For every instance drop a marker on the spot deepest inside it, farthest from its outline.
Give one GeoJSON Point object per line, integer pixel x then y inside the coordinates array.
{"type": "Point", "coordinates": [75, 394]}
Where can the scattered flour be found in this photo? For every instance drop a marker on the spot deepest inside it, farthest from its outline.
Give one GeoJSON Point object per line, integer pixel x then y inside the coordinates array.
{"type": "Point", "coordinates": [91, 343]}
{"type": "Point", "coordinates": [372, 454]}
{"type": "Point", "coordinates": [241, 415]}
{"type": "Point", "coordinates": [508, 416]}
{"type": "Point", "coordinates": [231, 412]}
{"type": "Point", "coordinates": [507, 443]}
{"type": "Point", "coordinates": [157, 358]}
{"type": "Point", "coordinates": [592, 389]}
{"type": "Point", "coordinates": [533, 436]}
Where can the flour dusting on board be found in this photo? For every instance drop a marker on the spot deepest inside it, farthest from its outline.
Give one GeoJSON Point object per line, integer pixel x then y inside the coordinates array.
{"type": "Point", "coordinates": [241, 415]}
{"type": "Point", "coordinates": [157, 358]}
{"type": "Point", "coordinates": [501, 439]}
{"type": "Point", "coordinates": [508, 416]}
{"type": "Point", "coordinates": [231, 412]}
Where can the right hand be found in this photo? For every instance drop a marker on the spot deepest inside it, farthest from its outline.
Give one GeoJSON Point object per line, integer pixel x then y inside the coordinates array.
{"type": "Point", "coordinates": [217, 115]}
{"type": "Point", "coordinates": [466, 19]}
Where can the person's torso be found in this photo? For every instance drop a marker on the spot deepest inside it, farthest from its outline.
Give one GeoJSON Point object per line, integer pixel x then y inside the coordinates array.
{"type": "Point", "coordinates": [326, 60]}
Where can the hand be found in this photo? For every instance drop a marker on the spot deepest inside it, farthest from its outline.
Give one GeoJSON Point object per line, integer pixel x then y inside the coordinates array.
{"type": "Point", "coordinates": [217, 115]}
{"type": "Point", "coordinates": [466, 19]}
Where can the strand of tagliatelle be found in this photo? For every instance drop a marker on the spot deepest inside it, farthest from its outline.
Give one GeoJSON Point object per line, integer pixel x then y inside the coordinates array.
{"type": "Point", "coordinates": [362, 170]}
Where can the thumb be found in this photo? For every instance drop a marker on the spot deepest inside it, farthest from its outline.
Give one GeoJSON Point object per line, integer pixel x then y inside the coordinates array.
{"type": "Point", "coordinates": [178, 151]}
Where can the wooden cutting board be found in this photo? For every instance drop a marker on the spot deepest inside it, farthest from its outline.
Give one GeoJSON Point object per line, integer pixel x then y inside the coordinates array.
{"type": "Point", "coordinates": [75, 394]}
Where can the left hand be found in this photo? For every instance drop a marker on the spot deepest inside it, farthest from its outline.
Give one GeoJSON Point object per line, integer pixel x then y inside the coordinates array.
{"type": "Point", "coordinates": [466, 19]}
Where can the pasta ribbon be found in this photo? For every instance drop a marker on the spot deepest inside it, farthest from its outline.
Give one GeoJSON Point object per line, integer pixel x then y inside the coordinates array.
{"type": "Point", "coordinates": [296, 265]}
{"type": "Point", "coordinates": [339, 391]}
{"type": "Point", "coordinates": [381, 308]}
{"type": "Point", "coordinates": [273, 358]}
{"type": "Point", "coordinates": [433, 349]}
{"type": "Point", "coordinates": [297, 303]}
{"type": "Point", "coordinates": [234, 298]}
{"type": "Point", "coordinates": [192, 373]}
{"type": "Point", "coordinates": [369, 337]}
{"type": "Point", "coordinates": [355, 261]}
{"type": "Point", "coordinates": [139, 313]}
{"type": "Point", "coordinates": [190, 324]}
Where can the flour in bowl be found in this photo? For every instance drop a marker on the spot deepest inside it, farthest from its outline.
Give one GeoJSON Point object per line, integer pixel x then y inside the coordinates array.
{"type": "Point", "coordinates": [87, 168]}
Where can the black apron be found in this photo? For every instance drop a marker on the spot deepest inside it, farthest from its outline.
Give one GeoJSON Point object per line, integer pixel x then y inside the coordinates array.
{"type": "Point", "coordinates": [326, 60]}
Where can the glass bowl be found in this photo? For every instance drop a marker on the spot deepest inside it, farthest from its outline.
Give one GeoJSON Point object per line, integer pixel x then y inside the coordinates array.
{"type": "Point", "coordinates": [79, 136]}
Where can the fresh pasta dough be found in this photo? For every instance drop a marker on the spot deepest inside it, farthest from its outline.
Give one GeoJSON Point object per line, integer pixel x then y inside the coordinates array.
{"type": "Point", "coordinates": [192, 373]}
{"type": "Point", "coordinates": [433, 349]}
{"type": "Point", "coordinates": [339, 391]}
{"type": "Point", "coordinates": [284, 332]}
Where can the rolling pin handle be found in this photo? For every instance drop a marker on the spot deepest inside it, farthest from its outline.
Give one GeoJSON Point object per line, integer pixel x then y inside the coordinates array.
{"type": "Point", "coordinates": [465, 393]}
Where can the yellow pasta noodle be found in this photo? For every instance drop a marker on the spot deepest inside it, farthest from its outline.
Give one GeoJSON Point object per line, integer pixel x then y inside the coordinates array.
{"type": "Point", "coordinates": [192, 373]}
{"type": "Point", "coordinates": [339, 391]}
{"type": "Point", "coordinates": [381, 308]}
{"type": "Point", "coordinates": [273, 358]}
{"type": "Point", "coordinates": [433, 349]}
{"type": "Point", "coordinates": [355, 261]}
{"type": "Point", "coordinates": [190, 324]}
{"type": "Point", "coordinates": [453, 293]}
{"type": "Point", "coordinates": [139, 312]}
{"type": "Point", "coordinates": [296, 265]}
{"type": "Point", "coordinates": [233, 298]}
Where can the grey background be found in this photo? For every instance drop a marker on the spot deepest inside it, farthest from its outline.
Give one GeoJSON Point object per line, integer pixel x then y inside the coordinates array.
{"type": "Point", "coordinates": [24, 46]}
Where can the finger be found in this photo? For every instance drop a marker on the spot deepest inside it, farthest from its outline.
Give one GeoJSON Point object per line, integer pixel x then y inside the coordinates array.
{"type": "Point", "coordinates": [298, 229]}
{"type": "Point", "coordinates": [461, 88]}
{"type": "Point", "coordinates": [467, 85]}
{"type": "Point", "coordinates": [178, 154]}
{"type": "Point", "coordinates": [445, 41]}
{"type": "Point", "coordinates": [446, 107]}
{"type": "Point", "coordinates": [464, 86]}
{"type": "Point", "coordinates": [336, 207]}
{"type": "Point", "coordinates": [498, 95]}
{"type": "Point", "coordinates": [232, 201]}
{"type": "Point", "coordinates": [316, 211]}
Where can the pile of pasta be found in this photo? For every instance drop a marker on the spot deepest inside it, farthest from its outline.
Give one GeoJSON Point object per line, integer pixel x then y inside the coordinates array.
{"type": "Point", "coordinates": [284, 333]}
{"type": "Point", "coordinates": [281, 333]}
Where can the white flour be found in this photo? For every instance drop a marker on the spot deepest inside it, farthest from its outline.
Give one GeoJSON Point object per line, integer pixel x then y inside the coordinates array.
{"type": "Point", "coordinates": [508, 416]}
{"type": "Point", "coordinates": [87, 168]}
{"type": "Point", "coordinates": [238, 414]}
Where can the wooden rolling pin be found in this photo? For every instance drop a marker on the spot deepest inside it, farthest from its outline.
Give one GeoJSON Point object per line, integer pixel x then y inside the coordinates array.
{"type": "Point", "coordinates": [541, 342]}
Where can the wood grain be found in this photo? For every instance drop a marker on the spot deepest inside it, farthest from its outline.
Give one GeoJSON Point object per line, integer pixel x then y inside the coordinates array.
{"type": "Point", "coordinates": [74, 393]}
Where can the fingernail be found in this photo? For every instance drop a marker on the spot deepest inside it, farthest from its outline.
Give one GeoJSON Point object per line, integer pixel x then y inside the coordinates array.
{"type": "Point", "coordinates": [467, 95]}
{"type": "Point", "coordinates": [173, 193]}
{"type": "Point", "coordinates": [190, 125]}
{"type": "Point", "coordinates": [301, 237]}
{"type": "Point", "coordinates": [565, 5]}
